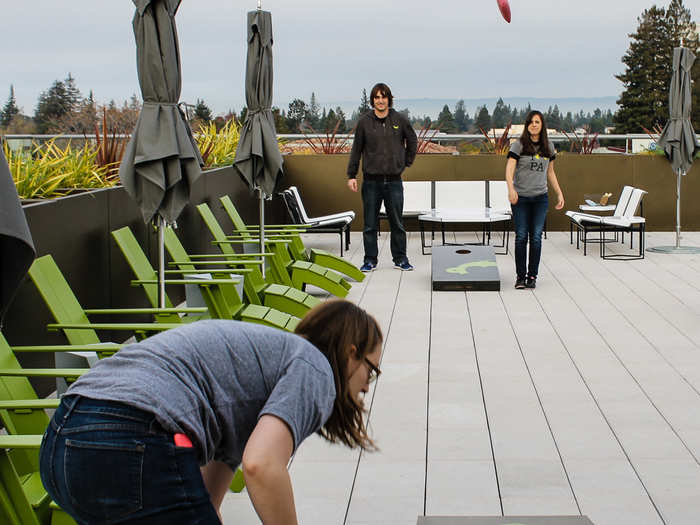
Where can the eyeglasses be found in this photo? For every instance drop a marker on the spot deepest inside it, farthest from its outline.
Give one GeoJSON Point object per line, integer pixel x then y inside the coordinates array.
{"type": "Point", "coordinates": [374, 371]}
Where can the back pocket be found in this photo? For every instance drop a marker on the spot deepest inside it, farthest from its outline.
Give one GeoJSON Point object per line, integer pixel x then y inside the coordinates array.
{"type": "Point", "coordinates": [104, 480]}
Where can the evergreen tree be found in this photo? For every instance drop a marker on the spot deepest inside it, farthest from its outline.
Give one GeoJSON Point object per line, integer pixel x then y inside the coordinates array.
{"type": "Point", "coordinates": [202, 112]}
{"type": "Point", "coordinates": [280, 121]}
{"type": "Point", "coordinates": [52, 105]}
{"type": "Point", "coordinates": [648, 61]}
{"type": "Point", "coordinates": [296, 115]}
{"type": "Point", "coordinates": [483, 119]}
{"type": "Point", "coordinates": [446, 121]}
{"type": "Point", "coordinates": [313, 113]}
{"type": "Point", "coordinates": [9, 110]}
{"type": "Point", "coordinates": [461, 116]}
{"type": "Point", "coordinates": [73, 95]}
{"type": "Point", "coordinates": [364, 106]}
{"type": "Point", "coordinates": [499, 119]}
{"type": "Point", "coordinates": [340, 115]}
{"type": "Point", "coordinates": [553, 118]}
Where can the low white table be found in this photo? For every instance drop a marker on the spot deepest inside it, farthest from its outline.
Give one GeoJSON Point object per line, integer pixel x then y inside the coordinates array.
{"type": "Point", "coordinates": [484, 216]}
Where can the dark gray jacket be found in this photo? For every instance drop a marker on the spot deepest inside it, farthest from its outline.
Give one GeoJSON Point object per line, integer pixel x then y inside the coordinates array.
{"type": "Point", "coordinates": [387, 146]}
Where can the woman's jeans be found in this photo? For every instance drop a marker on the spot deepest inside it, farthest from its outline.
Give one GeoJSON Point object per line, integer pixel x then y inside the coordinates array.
{"type": "Point", "coordinates": [105, 462]}
{"type": "Point", "coordinates": [529, 214]}
{"type": "Point", "coordinates": [391, 192]}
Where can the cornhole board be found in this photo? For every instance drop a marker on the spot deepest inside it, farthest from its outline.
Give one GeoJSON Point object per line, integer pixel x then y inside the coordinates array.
{"type": "Point", "coordinates": [504, 520]}
{"type": "Point", "coordinates": [465, 268]}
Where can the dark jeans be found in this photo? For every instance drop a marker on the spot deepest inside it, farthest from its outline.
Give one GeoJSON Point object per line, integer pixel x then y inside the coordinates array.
{"type": "Point", "coordinates": [106, 462]}
{"type": "Point", "coordinates": [529, 214]}
{"type": "Point", "coordinates": [373, 193]}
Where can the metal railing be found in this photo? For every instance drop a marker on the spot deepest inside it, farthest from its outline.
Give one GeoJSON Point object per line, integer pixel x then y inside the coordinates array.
{"type": "Point", "coordinates": [25, 140]}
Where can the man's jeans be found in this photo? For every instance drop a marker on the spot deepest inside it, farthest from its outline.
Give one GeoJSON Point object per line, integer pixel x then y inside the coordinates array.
{"type": "Point", "coordinates": [529, 214]}
{"type": "Point", "coordinates": [105, 462]}
{"type": "Point", "coordinates": [373, 193]}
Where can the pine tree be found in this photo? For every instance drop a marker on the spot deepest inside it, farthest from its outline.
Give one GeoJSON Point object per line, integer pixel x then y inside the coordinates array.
{"type": "Point", "coordinates": [52, 105]}
{"type": "Point", "coordinates": [340, 115]}
{"type": "Point", "coordinates": [364, 106]}
{"type": "Point", "coordinates": [313, 113]}
{"type": "Point", "coordinates": [461, 116]}
{"type": "Point", "coordinates": [483, 119]}
{"type": "Point", "coordinates": [648, 61]}
{"type": "Point", "coordinates": [500, 115]}
{"type": "Point", "coordinates": [446, 121]}
{"type": "Point", "coordinates": [296, 114]}
{"type": "Point", "coordinates": [9, 110]}
{"type": "Point", "coordinates": [73, 95]}
{"type": "Point", "coordinates": [202, 112]}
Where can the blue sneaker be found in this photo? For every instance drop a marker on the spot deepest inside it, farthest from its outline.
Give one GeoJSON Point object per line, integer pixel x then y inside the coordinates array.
{"type": "Point", "coordinates": [404, 266]}
{"type": "Point", "coordinates": [367, 267]}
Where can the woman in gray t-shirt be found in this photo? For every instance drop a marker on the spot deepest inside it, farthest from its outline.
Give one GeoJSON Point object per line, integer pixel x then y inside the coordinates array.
{"type": "Point", "coordinates": [155, 433]}
{"type": "Point", "coordinates": [530, 166]}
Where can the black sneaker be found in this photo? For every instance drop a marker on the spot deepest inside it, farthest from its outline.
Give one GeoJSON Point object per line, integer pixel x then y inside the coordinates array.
{"type": "Point", "coordinates": [531, 282]}
{"type": "Point", "coordinates": [520, 283]}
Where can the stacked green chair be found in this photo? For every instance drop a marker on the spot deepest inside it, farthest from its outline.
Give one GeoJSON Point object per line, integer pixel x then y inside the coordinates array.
{"type": "Point", "coordinates": [284, 270]}
{"type": "Point", "coordinates": [296, 247]}
{"type": "Point", "coordinates": [73, 320]}
{"type": "Point", "coordinates": [23, 499]}
{"type": "Point", "coordinates": [220, 295]}
{"type": "Point", "coordinates": [257, 291]}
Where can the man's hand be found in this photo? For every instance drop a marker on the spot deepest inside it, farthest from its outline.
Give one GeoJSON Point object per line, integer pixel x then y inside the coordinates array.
{"type": "Point", "coordinates": [352, 184]}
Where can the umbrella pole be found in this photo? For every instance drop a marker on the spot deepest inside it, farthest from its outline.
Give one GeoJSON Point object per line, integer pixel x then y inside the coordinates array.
{"type": "Point", "coordinates": [678, 209]}
{"type": "Point", "coordinates": [262, 229]}
{"type": "Point", "coordinates": [161, 262]}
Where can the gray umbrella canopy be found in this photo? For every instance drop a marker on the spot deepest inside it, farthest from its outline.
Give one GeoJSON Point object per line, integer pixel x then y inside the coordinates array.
{"type": "Point", "coordinates": [16, 245]}
{"type": "Point", "coordinates": [678, 138]}
{"type": "Point", "coordinates": [258, 158]}
{"type": "Point", "coordinates": [161, 161]}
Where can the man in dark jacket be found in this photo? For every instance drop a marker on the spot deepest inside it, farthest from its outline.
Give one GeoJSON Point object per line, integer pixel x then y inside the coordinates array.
{"type": "Point", "coordinates": [387, 144]}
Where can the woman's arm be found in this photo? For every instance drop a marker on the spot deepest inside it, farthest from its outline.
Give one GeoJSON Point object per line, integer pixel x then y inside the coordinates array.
{"type": "Point", "coordinates": [217, 478]}
{"type": "Point", "coordinates": [552, 178]}
{"type": "Point", "coordinates": [265, 460]}
{"type": "Point", "coordinates": [510, 175]}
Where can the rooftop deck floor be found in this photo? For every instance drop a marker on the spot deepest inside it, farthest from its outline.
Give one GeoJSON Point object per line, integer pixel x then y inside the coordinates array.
{"type": "Point", "coordinates": [580, 397]}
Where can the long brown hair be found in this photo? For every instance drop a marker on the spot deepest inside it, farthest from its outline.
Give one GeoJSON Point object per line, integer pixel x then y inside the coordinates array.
{"type": "Point", "coordinates": [383, 89]}
{"type": "Point", "coordinates": [529, 147]}
{"type": "Point", "coordinates": [334, 327]}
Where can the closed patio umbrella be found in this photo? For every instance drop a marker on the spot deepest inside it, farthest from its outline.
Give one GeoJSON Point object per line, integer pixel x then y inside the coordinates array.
{"type": "Point", "coordinates": [678, 138]}
{"type": "Point", "coordinates": [161, 161]}
{"type": "Point", "coordinates": [258, 158]}
{"type": "Point", "coordinates": [16, 245]}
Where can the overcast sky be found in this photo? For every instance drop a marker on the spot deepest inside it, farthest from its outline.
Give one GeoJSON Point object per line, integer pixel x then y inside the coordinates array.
{"type": "Point", "coordinates": [427, 48]}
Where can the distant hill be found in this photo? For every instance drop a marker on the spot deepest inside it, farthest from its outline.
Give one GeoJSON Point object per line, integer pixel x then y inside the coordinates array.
{"type": "Point", "coordinates": [420, 107]}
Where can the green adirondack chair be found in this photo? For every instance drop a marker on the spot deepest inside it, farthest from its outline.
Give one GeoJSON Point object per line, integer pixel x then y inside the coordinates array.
{"type": "Point", "coordinates": [73, 320]}
{"type": "Point", "coordinates": [297, 249]}
{"type": "Point", "coordinates": [284, 270]}
{"type": "Point", "coordinates": [257, 291]}
{"type": "Point", "coordinates": [220, 295]}
{"type": "Point", "coordinates": [23, 498]}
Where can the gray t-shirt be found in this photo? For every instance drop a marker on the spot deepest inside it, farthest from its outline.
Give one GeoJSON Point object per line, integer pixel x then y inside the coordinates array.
{"type": "Point", "coordinates": [212, 380]}
{"type": "Point", "coordinates": [531, 170]}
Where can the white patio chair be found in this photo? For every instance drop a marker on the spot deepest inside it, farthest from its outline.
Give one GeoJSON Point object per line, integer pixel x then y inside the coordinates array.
{"type": "Point", "coordinates": [623, 220]}
{"type": "Point", "coordinates": [336, 223]}
{"type": "Point", "coordinates": [575, 219]}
